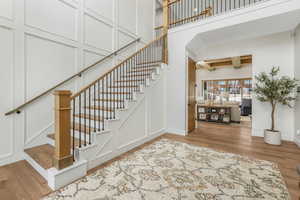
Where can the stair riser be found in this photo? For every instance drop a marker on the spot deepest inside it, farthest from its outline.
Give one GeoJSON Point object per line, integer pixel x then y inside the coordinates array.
{"type": "Point", "coordinates": [145, 68]}
{"type": "Point", "coordinates": [147, 65]}
{"type": "Point", "coordinates": [141, 71]}
{"type": "Point", "coordinates": [115, 96]}
{"type": "Point", "coordinates": [150, 76]}
{"type": "Point", "coordinates": [92, 123]}
{"type": "Point", "coordinates": [105, 114]}
{"type": "Point", "coordinates": [75, 135]}
{"type": "Point", "coordinates": [110, 103]}
{"type": "Point", "coordinates": [128, 97]}
{"type": "Point", "coordinates": [118, 88]}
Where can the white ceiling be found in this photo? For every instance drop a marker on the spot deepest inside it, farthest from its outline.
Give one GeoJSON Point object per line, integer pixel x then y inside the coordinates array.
{"type": "Point", "coordinates": [262, 27]}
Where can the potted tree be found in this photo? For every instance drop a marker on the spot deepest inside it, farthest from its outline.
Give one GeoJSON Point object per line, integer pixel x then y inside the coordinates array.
{"type": "Point", "coordinates": [275, 90]}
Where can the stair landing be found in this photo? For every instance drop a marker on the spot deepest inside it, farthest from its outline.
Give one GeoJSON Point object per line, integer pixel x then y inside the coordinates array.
{"type": "Point", "coordinates": [42, 154]}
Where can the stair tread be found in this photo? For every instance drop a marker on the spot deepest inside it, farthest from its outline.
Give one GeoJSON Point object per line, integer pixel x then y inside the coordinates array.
{"type": "Point", "coordinates": [150, 62]}
{"type": "Point", "coordinates": [134, 75]}
{"type": "Point", "coordinates": [141, 70]}
{"type": "Point", "coordinates": [115, 93]}
{"type": "Point", "coordinates": [124, 86]}
{"type": "Point", "coordinates": [83, 128]}
{"type": "Point", "coordinates": [109, 100]}
{"type": "Point", "coordinates": [52, 136]}
{"type": "Point", "coordinates": [87, 116]}
{"type": "Point", "coordinates": [42, 154]}
{"type": "Point", "coordinates": [147, 66]}
{"type": "Point", "coordinates": [121, 81]}
{"type": "Point", "coordinates": [100, 108]}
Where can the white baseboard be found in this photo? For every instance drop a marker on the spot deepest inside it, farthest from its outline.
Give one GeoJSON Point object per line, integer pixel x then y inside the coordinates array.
{"type": "Point", "coordinates": [260, 133]}
{"type": "Point", "coordinates": [257, 132]}
{"type": "Point", "coordinates": [176, 131]}
{"type": "Point", "coordinates": [59, 178]}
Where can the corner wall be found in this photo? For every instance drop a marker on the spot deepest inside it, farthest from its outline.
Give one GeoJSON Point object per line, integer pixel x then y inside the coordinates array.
{"type": "Point", "coordinates": [266, 18]}
{"type": "Point", "coordinates": [297, 76]}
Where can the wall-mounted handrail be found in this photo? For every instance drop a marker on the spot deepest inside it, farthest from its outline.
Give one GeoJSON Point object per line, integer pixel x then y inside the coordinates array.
{"type": "Point", "coordinates": [17, 109]}
{"type": "Point", "coordinates": [172, 2]}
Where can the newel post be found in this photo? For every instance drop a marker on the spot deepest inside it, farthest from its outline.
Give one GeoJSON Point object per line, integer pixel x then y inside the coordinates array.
{"type": "Point", "coordinates": [62, 156]}
{"type": "Point", "coordinates": [165, 29]}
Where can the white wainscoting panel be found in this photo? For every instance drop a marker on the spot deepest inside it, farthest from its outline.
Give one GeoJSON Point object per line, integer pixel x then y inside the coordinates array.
{"type": "Point", "coordinates": [6, 88]}
{"type": "Point", "coordinates": [127, 14]}
{"type": "Point", "coordinates": [47, 63]}
{"type": "Point", "coordinates": [6, 9]}
{"type": "Point", "coordinates": [98, 33]}
{"type": "Point", "coordinates": [137, 119]}
{"type": "Point", "coordinates": [47, 15]}
{"type": "Point", "coordinates": [125, 38]}
{"type": "Point", "coordinates": [145, 9]}
{"type": "Point", "coordinates": [44, 42]}
{"type": "Point", "coordinates": [156, 107]}
{"type": "Point", "coordinates": [103, 7]}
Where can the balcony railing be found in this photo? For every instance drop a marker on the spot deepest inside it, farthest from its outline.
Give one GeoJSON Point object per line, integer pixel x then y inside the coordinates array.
{"type": "Point", "coordinates": [186, 11]}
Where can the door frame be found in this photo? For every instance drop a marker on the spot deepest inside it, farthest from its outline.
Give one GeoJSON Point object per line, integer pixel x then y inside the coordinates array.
{"type": "Point", "coordinates": [187, 57]}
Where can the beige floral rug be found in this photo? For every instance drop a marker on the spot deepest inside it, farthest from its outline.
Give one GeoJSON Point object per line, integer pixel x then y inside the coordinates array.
{"type": "Point", "coordinates": [173, 170]}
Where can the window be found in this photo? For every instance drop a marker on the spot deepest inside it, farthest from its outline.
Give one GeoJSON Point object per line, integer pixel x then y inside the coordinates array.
{"type": "Point", "coordinates": [227, 90]}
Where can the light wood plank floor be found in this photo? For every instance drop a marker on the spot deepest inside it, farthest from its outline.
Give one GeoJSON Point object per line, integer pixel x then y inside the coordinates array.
{"type": "Point", "coordinates": [24, 183]}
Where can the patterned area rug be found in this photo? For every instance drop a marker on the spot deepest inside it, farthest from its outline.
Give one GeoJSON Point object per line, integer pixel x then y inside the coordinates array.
{"type": "Point", "coordinates": [173, 170]}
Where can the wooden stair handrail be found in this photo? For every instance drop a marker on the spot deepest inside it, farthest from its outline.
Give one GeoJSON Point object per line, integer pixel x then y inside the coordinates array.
{"type": "Point", "coordinates": [172, 2]}
{"type": "Point", "coordinates": [105, 74]}
{"type": "Point", "coordinates": [17, 109]}
{"type": "Point", "coordinates": [207, 11]}
{"type": "Point", "coordinates": [159, 27]}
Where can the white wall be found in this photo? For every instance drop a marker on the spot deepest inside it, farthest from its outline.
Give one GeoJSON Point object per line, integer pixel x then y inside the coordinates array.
{"type": "Point", "coordinates": [44, 42]}
{"type": "Point", "coordinates": [297, 76]}
{"type": "Point", "coordinates": [267, 51]}
{"type": "Point", "coordinates": [266, 18]}
{"type": "Point", "coordinates": [222, 72]}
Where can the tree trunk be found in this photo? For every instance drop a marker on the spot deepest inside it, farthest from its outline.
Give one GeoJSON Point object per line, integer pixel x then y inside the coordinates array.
{"type": "Point", "coordinates": [273, 117]}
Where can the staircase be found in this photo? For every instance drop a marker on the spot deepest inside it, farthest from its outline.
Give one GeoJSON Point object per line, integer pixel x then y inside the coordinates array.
{"type": "Point", "coordinates": [83, 119]}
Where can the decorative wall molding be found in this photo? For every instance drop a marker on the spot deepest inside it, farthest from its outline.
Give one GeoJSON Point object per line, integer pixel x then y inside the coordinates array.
{"type": "Point", "coordinates": [11, 8]}
{"type": "Point", "coordinates": [68, 3]}
{"type": "Point", "coordinates": [23, 25]}
{"type": "Point", "coordinates": [39, 133]}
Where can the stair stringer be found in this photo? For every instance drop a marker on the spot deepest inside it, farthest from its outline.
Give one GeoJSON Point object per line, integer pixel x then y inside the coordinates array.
{"type": "Point", "coordinates": [134, 120]}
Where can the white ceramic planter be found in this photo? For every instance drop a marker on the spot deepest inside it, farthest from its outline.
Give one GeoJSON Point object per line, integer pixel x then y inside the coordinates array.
{"type": "Point", "coordinates": [272, 137]}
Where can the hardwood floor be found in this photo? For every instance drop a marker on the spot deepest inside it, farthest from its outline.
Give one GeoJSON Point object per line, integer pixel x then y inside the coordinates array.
{"type": "Point", "coordinates": [22, 182]}
{"type": "Point", "coordinates": [238, 140]}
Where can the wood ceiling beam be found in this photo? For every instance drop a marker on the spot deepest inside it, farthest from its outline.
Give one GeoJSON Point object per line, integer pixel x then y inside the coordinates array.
{"type": "Point", "coordinates": [246, 59]}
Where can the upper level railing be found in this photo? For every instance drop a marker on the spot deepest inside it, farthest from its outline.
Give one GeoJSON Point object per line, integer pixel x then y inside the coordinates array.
{"type": "Point", "coordinates": [185, 11]}
{"type": "Point", "coordinates": [17, 109]}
